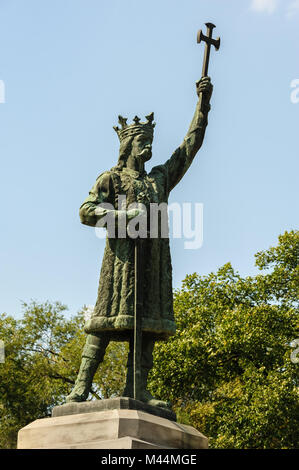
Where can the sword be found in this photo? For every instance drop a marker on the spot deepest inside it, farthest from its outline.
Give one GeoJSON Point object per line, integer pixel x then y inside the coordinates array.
{"type": "Point", "coordinates": [138, 303]}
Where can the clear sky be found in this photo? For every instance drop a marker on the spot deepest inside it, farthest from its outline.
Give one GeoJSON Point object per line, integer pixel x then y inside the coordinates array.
{"type": "Point", "coordinates": [70, 67]}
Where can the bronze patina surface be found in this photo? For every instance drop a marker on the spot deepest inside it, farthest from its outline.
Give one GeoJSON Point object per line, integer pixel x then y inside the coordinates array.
{"type": "Point", "coordinates": [135, 289]}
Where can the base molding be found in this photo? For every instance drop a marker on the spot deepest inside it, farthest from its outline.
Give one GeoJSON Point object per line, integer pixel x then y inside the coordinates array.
{"type": "Point", "coordinates": [109, 429]}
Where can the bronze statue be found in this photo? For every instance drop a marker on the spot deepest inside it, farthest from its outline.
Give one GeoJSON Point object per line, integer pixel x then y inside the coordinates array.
{"type": "Point", "coordinates": [113, 316]}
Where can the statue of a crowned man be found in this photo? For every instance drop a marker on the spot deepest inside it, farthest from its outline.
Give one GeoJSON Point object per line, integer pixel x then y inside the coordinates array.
{"type": "Point", "coordinates": [113, 315]}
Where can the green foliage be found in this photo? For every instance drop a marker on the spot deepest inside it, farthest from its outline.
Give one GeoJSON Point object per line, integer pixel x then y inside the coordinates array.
{"type": "Point", "coordinates": [227, 370]}
{"type": "Point", "coordinates": [42, 360]}
{"type": "Point", "coordinates": [228, 367]}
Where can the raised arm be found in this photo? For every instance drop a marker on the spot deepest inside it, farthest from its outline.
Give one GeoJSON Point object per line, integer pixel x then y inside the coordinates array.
{"type": "Point", "coordinates": [183, 156]}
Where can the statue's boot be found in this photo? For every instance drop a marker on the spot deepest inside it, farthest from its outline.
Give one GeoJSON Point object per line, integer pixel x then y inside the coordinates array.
{"type": "Point", "coordinates": [146, 396]}
{"type": "Point", "coordinates": [146, 365]}
{"type": "Point", "coordinates": [92, 355]}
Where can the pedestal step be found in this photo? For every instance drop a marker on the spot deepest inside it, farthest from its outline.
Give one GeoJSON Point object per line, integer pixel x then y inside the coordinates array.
{"type": "Point", "coordinates": [111, 429]}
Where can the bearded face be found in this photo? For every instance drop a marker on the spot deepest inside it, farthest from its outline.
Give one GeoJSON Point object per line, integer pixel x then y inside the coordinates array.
{"type": "Point", "coordinates": [142, 147]}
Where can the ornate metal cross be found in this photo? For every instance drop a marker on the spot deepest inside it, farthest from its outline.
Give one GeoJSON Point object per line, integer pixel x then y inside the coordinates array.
{"type": "Point", "coordinates": [209, 42]}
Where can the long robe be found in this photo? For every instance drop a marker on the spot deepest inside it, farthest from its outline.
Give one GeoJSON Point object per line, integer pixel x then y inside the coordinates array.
{"type": "Point", "coordinates": [114, 308]}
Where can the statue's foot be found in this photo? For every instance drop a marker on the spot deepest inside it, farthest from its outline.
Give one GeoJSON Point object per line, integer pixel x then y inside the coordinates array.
{"type": "Point", "coordinates": [75, 397]}
{"type": "Point", "coordinates": [148, 398]}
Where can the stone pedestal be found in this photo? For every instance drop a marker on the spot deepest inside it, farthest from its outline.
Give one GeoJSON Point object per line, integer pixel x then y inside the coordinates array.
{"type": "Point", "coordinates": [120, 423]}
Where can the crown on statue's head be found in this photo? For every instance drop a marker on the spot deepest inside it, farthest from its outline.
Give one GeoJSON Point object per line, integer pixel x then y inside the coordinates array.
{"type": "Point", "coordinates": [146, 128]}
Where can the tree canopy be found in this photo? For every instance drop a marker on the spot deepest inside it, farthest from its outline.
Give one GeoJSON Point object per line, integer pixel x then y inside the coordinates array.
{"type": "Point", "coordinates": [42, 360]}
{"type": "Point", "coordinates": [230, 370]}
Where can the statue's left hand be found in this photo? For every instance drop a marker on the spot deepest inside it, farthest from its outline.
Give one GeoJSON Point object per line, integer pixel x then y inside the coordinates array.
{"type": "Point", "coordinates": [205, 87]}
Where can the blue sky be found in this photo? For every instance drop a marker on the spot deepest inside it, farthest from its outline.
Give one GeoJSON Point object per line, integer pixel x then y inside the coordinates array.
{"type": "Point", "coordinates": [70, 67]}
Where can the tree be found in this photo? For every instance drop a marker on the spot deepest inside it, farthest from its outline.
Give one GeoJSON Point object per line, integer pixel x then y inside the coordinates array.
{"type": "Point", "coordinates": [229, 369]}
{"type": "Point", "coordinates": [42, 359]}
